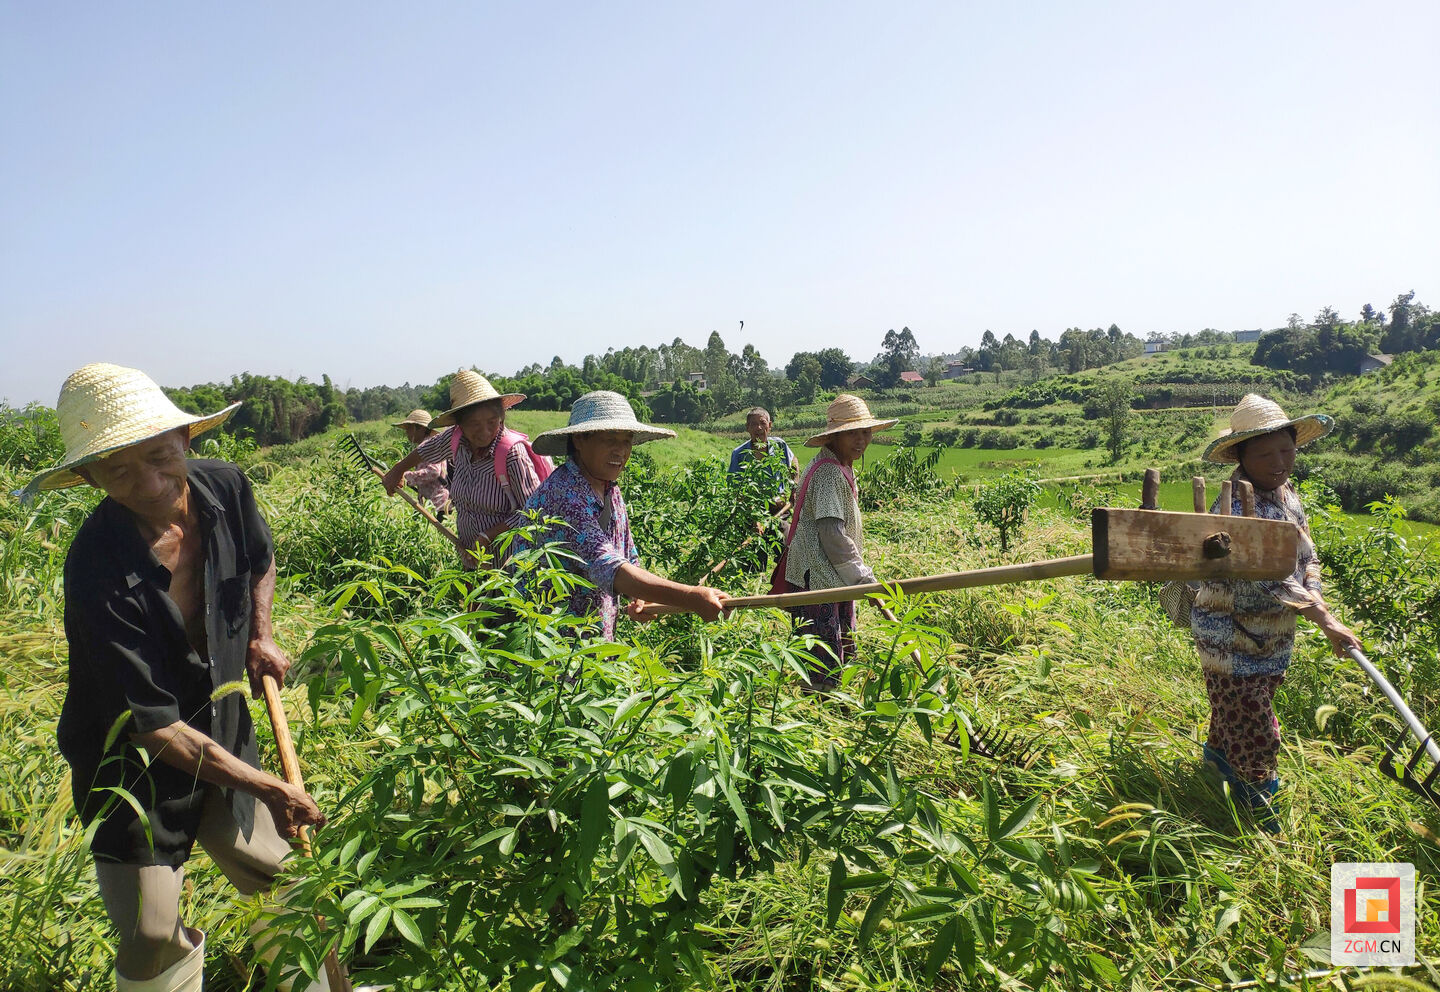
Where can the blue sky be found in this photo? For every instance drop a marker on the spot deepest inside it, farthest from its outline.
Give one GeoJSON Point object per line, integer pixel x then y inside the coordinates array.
{"type": "Point", "coordinates": [385, 193]}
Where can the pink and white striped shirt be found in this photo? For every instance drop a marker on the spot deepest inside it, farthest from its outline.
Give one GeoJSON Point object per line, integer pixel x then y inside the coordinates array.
{"type": "Point", "coordinates": [479, 499]}
{"type": "Point", "coordinates": [429, 482]}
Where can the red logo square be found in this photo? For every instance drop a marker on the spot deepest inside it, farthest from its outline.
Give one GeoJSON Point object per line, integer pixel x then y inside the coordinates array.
{"type": "Point", "coordinates": [1362, 923]}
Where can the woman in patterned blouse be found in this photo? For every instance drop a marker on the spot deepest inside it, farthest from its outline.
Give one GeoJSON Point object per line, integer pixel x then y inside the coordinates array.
{"type": "Point", "coordinates": [1245, 630]}
{"type": "Point", "coordinates": [584, 493]}
{"type": "Point", "coordinates": [485, 507]}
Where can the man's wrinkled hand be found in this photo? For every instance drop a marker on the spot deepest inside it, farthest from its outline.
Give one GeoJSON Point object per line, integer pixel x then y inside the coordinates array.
{"type": "Point", "coordinates": [293, 808]}
{"type": "Point", "coordinates": [264, 657]}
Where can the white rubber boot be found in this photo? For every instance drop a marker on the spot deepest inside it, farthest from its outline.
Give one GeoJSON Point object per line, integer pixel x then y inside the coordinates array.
{"type": "Point", "coordinates": [185, 975]}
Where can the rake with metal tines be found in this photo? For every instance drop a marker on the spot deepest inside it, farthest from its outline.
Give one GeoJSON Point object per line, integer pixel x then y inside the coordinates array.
{"type": "Point", "coordinates": [350, 445]}
{"type": "Point", "coordinates": [1428, 787]}
{"type": "Point", "coordinates": [1007, 747]}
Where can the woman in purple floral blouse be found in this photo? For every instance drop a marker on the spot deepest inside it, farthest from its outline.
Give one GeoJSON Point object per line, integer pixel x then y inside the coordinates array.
{"type": "Point", "coordinates": [584, 493]}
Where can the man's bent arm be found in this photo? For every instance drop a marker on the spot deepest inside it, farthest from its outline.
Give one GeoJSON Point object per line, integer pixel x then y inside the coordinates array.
{"type": "Point", "coordinates": [182, 746]}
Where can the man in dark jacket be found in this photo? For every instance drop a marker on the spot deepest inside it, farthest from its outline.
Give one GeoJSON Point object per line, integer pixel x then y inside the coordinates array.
{"type": "Point", "coordinates": [168, 591]}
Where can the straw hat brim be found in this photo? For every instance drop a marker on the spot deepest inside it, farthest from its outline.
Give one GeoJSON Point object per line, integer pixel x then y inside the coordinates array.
{"type": "Point", "coordinates": [447, 418]}
{"type": "Point", "coordinates": [553, 442]}
{"type": "Point", "coordinates": [1307, 429]}
{"type": "Point", "coordinates": [878, 424]}
{"type": "Point", "coordinates": [417, 423]}
{"type": "Point", "coordinates": [63, 476]}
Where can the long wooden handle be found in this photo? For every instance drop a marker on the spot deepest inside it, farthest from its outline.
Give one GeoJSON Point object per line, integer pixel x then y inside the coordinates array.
{"type": "Point", "coordinates": [284, 743]}
{"type": "Point", "coordinates": [889, 614]}
{"type": "Point", "coordinates": [450, 535]}
{"type": "Point", "coordinates": [999, 575]}
{"type": "Point", "coordinates": [290, 764]}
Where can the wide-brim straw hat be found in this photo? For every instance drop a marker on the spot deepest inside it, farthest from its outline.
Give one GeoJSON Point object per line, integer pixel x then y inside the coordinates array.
{"type": "Point", "coordinates": [103, 408]}
{"type": "Point", "coordinates": [420, 418]}
{"type": "Point", "coordinates": [847, 413]}
{"type": "Point", "coordinates": [594, 412]}
{"type": "Point", "coordinates": [468, 388]}
{"type": "Point", "coordinates": [1255, 415]}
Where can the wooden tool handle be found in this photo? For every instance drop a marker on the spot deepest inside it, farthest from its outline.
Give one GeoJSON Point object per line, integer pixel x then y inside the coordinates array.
{"type": "Point", "coordinates": [450, 535]}
{"type": "Point", "coordinates": [284, 743]}
{"type": "Point", "coordinates": [999, 575]}
{"type": "Point", "coordinates": [889, 614]}
{"type": "Point", "coordinates": [290, 765]}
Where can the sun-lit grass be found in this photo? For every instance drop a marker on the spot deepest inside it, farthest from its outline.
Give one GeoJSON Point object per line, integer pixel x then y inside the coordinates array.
{"type": "Point", "coordinates": [1090, 671]}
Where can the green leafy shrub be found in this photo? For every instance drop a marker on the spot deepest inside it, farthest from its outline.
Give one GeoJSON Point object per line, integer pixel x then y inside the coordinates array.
{"type": "Point", "coordinates": [688, 520]}
{"type": "Point", "coordinates": [554, 812]}
{"type": "Point", "coordinates": [1004, 502]}
{"type": "Point", "coordinates": [29, 438]}
{"type": "Point", "coordinates": [339, 521]}
{"type": "Point", "coordinates": [902, 478]}
{"type": "Point", "coordinates": [944, 437]}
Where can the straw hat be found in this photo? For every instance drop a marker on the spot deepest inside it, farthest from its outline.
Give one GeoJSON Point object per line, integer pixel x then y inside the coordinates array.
{"type": "Point", "coordinates": [1255, 415]}
{"type": "Point", "coordinates": [420, 418]}
{"type": "Point", "coordinates": [103, 408]}
{"type": "Point", "coordinates": [601, 410]}
{"type": "Point", "coordinates": [468, 388]}
{"type": "Point", "coordinates": [847, 413]}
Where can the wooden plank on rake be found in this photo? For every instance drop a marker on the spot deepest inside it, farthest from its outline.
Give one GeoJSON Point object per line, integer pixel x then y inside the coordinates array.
{"type": "Point", "coordinates": [1130, 545]}
{"type": "Point", "coordinates": [1158, 546]}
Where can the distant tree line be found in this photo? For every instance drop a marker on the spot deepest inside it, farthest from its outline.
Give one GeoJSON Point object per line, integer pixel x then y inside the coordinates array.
{"type": "Point", "coordinates": [1329, 346]}
{"type": "Point", "coordinates": [680, 383]}
{"type": "Point", "coordinates": [273, 410]}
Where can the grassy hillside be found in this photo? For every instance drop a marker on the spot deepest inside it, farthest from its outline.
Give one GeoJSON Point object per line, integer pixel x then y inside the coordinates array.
{"type": "Point", "coordinates": [1387, 436]}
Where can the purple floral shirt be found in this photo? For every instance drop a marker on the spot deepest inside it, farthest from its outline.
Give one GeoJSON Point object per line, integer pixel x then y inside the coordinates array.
{"type": "Point", "coordinates": [602, 549]}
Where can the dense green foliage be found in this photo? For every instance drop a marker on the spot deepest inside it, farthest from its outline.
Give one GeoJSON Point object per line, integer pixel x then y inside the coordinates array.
{"type": "Point", "coordinates": [512, 804]}
{"type": "Point", "coordinates": [700, 521]}
{"type": "Point", "coordinates": [273, 410]}
{"type": "Point", "coordinates": [1329, 346]}
{"type": "Point", "coordinates": [1004, 503]}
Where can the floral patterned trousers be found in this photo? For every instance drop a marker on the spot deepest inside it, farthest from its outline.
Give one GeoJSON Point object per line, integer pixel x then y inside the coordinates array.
{"type": "Point", "coordinates": [833, 624]}
{"type": "Point", "coordinates": [1243, 728]}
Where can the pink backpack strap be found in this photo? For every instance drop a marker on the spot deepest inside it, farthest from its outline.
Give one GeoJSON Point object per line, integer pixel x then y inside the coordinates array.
{"type": "Point", "coordinates": [508, 440]}
{"type": "Point", "coordinates": [454, 442]}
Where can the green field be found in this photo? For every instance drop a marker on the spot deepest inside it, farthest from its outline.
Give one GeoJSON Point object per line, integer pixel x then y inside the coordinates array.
{"type": "Point", "coordinates": [1111, 860]}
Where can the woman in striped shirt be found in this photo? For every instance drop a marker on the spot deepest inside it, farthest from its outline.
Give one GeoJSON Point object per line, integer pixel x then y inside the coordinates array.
{"type": "Point", "coordinates": [485, 507]}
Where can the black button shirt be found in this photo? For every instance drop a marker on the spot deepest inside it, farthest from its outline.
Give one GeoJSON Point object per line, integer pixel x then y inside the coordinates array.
{"type": "Point", "coordinates": [133, 670]}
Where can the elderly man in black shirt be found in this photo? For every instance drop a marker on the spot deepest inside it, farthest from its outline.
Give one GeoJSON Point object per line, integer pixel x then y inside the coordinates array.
{"type": "Point", "coordinates": [168, 590]}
